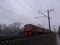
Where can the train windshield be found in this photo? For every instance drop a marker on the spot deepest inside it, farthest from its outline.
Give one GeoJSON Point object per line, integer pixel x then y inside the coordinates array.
{"type": "Point", "coordinates": [28, 25]}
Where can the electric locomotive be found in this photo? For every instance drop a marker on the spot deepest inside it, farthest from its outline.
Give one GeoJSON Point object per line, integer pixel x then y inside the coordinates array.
{"type": "Point", "coordinates": [30, 29]}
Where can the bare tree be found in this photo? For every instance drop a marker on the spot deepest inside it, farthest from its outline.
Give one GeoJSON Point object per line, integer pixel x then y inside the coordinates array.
{"type": "Point", "coordinates": [14, 26]}
{"type": "Point", "coordinates": [0, 29]}
{"type": "Point", "coordinates": [11, 29]}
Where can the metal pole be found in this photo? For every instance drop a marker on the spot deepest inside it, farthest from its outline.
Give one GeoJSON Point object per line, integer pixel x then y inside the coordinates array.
{"type": "Point", "coordinates": [49, 20]}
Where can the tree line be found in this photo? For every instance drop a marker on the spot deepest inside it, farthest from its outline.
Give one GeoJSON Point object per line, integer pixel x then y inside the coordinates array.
{"type": "Point", "coordinates": [11, 29]}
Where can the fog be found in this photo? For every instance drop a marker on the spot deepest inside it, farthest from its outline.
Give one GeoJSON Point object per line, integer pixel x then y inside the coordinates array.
{"type": "Point", "coordinates": [25, 11]}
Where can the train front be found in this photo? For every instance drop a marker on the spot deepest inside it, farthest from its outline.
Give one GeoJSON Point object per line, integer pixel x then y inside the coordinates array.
{"type": "Point", "coordinates": [27, 30]}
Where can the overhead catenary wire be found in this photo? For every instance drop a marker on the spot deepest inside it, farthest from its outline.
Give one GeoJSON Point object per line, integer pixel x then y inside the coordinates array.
{"type": "Point", "coordinates": [35, 9]}
{"type": "Point", "coordinates": [38, 11]}
{"type": "Point", "coordinates": [47, 16]}
{"type": "Point", "coordinates": [7, 17]}
{"type": "Point", "coordinates": [15, 14]}
{"type": "Point", "coordinates": [24, 7]}
{"type": "Point", "coordinates": [30, 7]}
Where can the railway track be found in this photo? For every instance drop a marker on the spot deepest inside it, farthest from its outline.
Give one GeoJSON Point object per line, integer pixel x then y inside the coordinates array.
{"type": "Point", "coordinates": [14, 38]}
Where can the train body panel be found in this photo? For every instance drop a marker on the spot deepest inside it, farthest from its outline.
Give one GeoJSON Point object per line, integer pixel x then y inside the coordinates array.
{"type": "Point", "coordinates": [30, 29]}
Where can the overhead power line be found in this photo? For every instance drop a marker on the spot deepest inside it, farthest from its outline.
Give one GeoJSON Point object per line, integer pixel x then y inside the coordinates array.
{"type": "Point", "coordinates": [30, 6]}
{"type": "Point", "coordinates": [16, 14]}
{"type": "Point", "coordinates": [41, 13]}
{"type": "Point", "coordinates": [38, 11]}
{"type": "Point", "coordinates": [4, 17]}
{"type": "Point", "coordinates": [24, 7]}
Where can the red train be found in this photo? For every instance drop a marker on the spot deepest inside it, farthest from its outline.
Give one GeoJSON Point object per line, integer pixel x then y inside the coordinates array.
{"type": "Point", "coordinates": [30, 29]}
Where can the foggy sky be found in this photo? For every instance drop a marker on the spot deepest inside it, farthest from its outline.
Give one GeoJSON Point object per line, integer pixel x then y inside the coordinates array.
{"type": "Point", "coordinates": [24, 11]}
